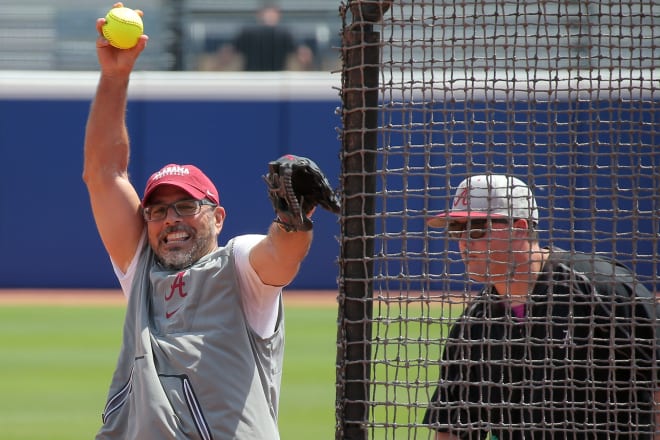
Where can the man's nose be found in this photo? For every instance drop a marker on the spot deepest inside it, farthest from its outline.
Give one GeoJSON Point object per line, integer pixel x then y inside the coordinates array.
{"type": "Point", "coordinates": [171, 214]}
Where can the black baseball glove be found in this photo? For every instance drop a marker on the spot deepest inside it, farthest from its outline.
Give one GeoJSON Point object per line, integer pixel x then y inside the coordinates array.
{"type": "Point", "coordinates": [295, 186]}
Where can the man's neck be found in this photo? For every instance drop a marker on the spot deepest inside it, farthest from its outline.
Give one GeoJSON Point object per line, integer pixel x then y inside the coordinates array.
{"type": "Point", "coordinates": [520, 283]}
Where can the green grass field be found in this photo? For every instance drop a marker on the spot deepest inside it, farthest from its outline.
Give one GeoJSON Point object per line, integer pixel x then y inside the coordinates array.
{"type": "Point", "coordinates": [56, 363]}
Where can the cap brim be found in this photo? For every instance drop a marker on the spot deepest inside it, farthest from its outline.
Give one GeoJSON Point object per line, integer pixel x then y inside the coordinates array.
{"type": "Point", "coordinates": [193, 192]}
{"type": "Point", "coordinates": [441, 220]}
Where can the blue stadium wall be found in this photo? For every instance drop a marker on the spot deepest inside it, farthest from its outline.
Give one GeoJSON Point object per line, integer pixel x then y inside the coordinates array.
{"type": "Point", "coordinates": [594, 166]}
{"type": "Point", "coordinates": [231, 125]}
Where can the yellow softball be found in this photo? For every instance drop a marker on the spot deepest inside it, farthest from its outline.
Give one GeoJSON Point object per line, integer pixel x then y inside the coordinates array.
{"type": "Point", "coordinates": [123, 27]}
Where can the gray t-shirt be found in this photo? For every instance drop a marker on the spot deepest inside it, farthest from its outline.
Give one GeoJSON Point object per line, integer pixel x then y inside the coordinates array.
{"type": "Point", "coordinates": [260, 301]}
{"type": "Point", "coordinates": [191, 366]}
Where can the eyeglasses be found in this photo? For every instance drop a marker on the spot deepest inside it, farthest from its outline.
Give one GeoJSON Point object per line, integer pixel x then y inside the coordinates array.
{"type": "Point", "coordinates": [477, 228]}
{"type": "Point", "coordinates": [183, 208]}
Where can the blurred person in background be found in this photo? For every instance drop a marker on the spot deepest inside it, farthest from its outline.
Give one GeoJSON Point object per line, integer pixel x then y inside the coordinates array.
{"type": "Point", "coordinates": [265, 46]}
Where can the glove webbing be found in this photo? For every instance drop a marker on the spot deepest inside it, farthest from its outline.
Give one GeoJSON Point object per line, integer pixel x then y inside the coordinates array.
{"type": "Point", "coordinates": [294, 205]}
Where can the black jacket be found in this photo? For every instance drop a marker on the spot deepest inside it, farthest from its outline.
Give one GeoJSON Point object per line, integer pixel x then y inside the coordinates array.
{"type": "Point", "coordinates": [581, 364]}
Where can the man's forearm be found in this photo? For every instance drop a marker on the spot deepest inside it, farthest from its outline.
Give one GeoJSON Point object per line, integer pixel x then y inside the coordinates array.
{"type": "Point", "coordinates": [106, 136]}
{"type": "Point", "coordinates": [276, 258]}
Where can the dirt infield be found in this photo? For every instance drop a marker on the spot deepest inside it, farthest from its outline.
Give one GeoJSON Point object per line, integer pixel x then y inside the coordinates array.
{"type": "Point", "coordinates": [116, 297]}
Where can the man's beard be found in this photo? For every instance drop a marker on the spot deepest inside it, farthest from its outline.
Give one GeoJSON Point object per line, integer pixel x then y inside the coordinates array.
{"type": "Point", "coordinates": [181, 259]}
{"type": "Point", "coordinates": [177, 260]}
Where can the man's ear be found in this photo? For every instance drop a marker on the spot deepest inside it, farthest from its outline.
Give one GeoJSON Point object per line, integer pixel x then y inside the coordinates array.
{"type": "Point", "coordinates": [220, 215]}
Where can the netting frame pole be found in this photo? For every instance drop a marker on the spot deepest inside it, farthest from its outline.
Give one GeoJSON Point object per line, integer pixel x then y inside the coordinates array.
{"type": "Point", "coordinates": [360, 86]}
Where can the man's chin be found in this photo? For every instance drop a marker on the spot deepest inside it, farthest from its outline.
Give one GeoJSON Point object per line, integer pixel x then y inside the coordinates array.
{"type": "Point", "coordinates": [175, 259]}
{"type": "Point", "coordinates": [481, 277]}
{"type": "Point", "coordinates": [487, 278]}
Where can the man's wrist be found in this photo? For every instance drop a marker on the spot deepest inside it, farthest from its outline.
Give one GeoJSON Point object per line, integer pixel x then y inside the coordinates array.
{"type": "Point", "coordinates": [287, 227]}
{"type": "Point", "coordinates": [283, 225]}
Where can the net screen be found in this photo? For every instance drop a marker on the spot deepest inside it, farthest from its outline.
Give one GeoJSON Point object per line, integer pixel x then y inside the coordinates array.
{"type": "Point", "coordinates": [564, 96]}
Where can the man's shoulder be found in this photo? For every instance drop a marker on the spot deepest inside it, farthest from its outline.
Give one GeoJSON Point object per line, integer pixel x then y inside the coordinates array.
{"type": "Point", "coordinates": [587, 263]}
{"type": "Point", "coordinates": [605, 273]}
{"type": "Point", "coordinates": [242, 244]}
{"type": "Point", "coordinates": [245, 240]}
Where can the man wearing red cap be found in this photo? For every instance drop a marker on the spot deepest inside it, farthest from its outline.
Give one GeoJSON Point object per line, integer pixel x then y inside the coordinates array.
{"type": "Point", "coordinates": [557, 345]}
{"type": "Point", "coordinates": [201, 356]}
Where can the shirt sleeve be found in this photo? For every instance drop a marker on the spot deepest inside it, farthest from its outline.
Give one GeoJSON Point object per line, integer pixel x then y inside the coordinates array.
{"type": "Point", "coordinates": [261, 302]}
{"type": "Point", "coordinates": [126, 279]}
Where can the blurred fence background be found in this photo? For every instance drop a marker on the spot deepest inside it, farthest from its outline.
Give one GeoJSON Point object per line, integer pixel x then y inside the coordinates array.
{"type": "Point", "coordinates": [59, 35]}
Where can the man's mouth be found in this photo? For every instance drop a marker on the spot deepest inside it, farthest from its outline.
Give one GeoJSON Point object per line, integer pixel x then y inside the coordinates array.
{"type": "Point", "coordinates": [175, 237]}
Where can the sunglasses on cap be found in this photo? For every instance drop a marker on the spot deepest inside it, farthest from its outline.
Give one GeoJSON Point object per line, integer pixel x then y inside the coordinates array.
{"type": "Point", "coordinates": [476, 228]}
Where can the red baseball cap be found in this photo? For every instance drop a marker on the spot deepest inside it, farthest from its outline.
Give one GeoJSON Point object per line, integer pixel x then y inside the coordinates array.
{"type": "Point", "coordinates": [187, 177]}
